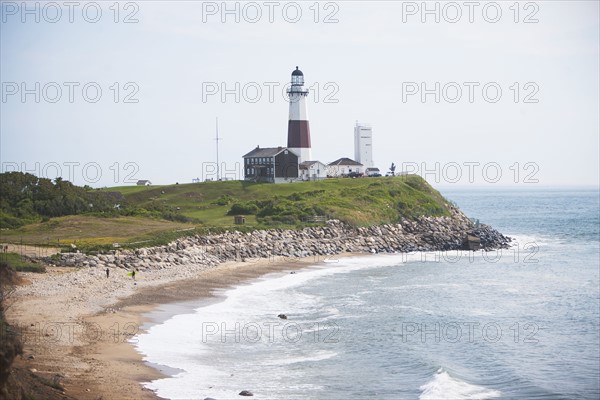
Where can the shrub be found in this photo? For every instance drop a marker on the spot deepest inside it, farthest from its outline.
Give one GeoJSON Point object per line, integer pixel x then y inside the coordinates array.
{"type": "Point", "coordinates": [247, 208]}
{"type": "Point", "coordinates": [224, 200]}
{"type": "Point", "coordinates": [16, 262]}
{"type": "Point", "coordinates": [31, 268]}
{"type": "Point", "coordinates": [9, 221]}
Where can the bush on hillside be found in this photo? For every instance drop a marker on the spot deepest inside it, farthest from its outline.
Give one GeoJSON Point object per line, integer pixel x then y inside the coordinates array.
{"type": "Point", "coordinates": [243, 208]}
{"type": "Point", "coordinates": [224, 200]}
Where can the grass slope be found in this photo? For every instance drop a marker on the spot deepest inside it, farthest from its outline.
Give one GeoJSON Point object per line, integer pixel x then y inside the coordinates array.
{"type": "Point", "coordinates": [87, 231]}
{"type": "Point", "coordinates": [360, 202]}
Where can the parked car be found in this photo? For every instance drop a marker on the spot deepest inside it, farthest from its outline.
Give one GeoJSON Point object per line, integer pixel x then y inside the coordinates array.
{"type": "Point", "coordinates": [354, 175]}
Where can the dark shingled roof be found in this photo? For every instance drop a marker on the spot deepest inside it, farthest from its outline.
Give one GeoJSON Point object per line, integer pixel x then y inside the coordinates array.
{"type": "Point", "coordinates": [345, 161]}
{"type": "Point", "coordinates": [266, 152]}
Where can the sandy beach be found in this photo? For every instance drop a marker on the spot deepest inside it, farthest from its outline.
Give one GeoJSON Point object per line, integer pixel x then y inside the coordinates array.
{"type": "Point", "coordinates": [77, 323]}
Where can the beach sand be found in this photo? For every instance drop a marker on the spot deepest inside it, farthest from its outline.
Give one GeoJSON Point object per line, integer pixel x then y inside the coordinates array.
{"type": "Point", "coordinates": [77, 324]}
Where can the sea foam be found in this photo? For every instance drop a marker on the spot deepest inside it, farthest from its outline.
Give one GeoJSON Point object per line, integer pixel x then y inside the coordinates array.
{"type": "Point", "coordinates": [444, 386]}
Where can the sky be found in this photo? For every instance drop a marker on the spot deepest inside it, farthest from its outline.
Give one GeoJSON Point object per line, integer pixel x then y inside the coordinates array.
{"type": "Point", "coordinates": [462, 93]}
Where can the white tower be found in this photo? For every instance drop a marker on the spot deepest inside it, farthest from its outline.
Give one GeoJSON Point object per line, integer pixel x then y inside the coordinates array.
{"type": "Point", "coordinates": [298, 128]}
{"type": "Point", "coordinates": [363, 144]}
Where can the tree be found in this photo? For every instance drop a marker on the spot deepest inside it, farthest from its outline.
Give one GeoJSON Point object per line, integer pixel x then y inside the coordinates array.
{"type": "Point", "coordinates": [393, 169]}
{"type": "Point", "coordinates": [25, 198]}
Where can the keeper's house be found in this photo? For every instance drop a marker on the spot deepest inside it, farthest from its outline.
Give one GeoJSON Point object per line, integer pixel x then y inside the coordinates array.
{"type": "Point", "coordinates": [271, 164]}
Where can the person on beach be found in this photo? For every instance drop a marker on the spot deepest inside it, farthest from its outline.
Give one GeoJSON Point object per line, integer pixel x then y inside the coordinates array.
{"type": "Point", "coordinates": [107, 273]}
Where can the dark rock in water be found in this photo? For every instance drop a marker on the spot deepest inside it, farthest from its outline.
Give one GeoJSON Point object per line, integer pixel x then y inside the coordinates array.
{"type": "Point", "coordinates": [209, 398]}
{"type": "Point", "coordinates": [282, 316]}
{"type": "Point", "coordinates": [246, 393]}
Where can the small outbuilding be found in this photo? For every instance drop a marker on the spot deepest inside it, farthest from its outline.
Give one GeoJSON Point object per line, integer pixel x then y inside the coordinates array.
{"type": "Point", "coordinates": [312, 170]}
{"type": "Point", "coordinates": [472, 243]}
{"type": "Point", "coordinates": [143, 182]}
{"type": "Point", "coordinates": [344, 167]}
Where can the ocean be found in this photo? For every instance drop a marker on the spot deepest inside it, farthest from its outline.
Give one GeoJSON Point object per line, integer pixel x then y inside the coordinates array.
{"type": "Point", "coordinates": [513, 324]}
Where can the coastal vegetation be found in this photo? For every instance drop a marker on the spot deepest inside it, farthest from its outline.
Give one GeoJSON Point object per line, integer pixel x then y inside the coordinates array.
{"type": "Point", "coordinates": [37, 211]}
{"type": "Point", "coordinates": [10, 344]}
{"type": "Point", "coordinates": [18, 263]}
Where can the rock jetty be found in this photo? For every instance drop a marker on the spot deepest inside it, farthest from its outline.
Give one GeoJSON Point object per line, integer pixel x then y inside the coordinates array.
{"type": "Point", "coordinates": [421, 234]}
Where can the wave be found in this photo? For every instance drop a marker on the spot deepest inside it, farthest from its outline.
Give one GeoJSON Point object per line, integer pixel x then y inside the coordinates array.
{"type": "Point", "coordinates": [443, 386]}
{"type": "Point", "coordinates": [539, 240]}
{"type": "Point", "coordinates": [317, 356]}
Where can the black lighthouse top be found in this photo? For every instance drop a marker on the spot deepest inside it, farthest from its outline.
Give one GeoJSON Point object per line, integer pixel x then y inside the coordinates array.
{"type": "Point", "coordinates": [297, 77]}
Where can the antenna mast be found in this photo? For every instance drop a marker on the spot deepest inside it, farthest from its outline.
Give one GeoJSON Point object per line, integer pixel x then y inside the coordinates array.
{"type": "Point", "coordinates": [217, 140]}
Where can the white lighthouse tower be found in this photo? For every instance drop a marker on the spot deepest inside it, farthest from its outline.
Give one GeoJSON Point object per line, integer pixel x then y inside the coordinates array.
{"type": "Point", "coordinates": [363, 144]}
{"type": "Point", "coordinates": [298, 129]}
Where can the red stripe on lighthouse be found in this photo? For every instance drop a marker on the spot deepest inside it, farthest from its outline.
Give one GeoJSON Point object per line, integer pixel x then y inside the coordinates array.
{"type": "Point", "coordinates": [298, 134]}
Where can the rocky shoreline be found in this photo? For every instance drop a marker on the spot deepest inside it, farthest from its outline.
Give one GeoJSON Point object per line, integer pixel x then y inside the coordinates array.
{"type": "Point", "coordinates": [456, 232]}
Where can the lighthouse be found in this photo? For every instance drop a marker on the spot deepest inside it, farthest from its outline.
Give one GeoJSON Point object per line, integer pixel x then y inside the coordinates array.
{"type": "Point", "coordinates": [298, 129]}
